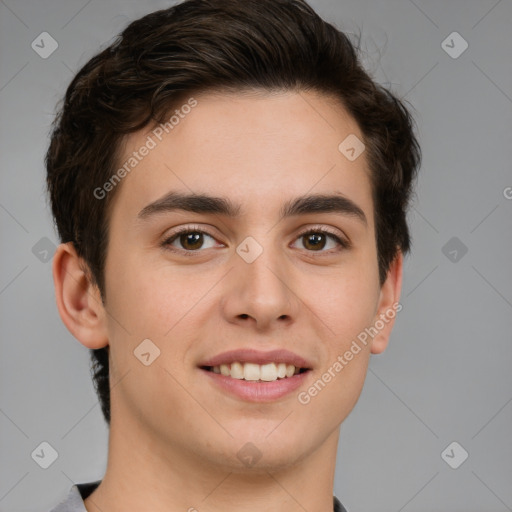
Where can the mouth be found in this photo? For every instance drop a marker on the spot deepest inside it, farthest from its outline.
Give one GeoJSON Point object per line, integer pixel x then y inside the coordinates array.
{"type": "Point", "coordinates": [257, 376]}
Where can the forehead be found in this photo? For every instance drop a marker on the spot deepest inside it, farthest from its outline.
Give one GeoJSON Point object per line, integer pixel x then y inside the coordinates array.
{"type": "Point", "coordinates": [258, 149]}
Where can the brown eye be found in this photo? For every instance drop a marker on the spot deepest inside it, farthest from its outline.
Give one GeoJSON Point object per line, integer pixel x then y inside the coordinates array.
{"type": "Point", "coordinates": [194, 238]}
{"type": "Point", "coordinates": [189, 240]}
{"type": "Point", "coordinates": [315, 240]}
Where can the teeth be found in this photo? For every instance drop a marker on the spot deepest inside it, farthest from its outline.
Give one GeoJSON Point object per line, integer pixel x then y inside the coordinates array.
{"type": "Point", "coordinates": [254, 372]}
{"type": "Point", "coordinates": [237, 371]}
{"type": "Point", "coordinates": [251, 371]}
{"type": "Point", "coordinates": [268, 372]}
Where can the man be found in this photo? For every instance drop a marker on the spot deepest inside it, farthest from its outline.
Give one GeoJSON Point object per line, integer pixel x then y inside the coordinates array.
{"type": "Point", "coordinates": [230, 188]}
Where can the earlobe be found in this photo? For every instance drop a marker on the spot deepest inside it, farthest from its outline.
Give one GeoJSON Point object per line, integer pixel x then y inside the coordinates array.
{"type": "Point", "coordinates": [389, 305]}
{"type": "Point", "coordinates": [78, 300]}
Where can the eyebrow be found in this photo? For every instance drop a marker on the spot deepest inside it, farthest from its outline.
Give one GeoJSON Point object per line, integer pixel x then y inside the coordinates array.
{"type": "Point", "coordinates": [302, 205]}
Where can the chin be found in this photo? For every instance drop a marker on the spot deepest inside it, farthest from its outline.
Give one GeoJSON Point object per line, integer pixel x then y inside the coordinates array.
{"type": "Point", "coordinates": [253, 461]}
{"type": "Point", "coordinates": [266, 450]}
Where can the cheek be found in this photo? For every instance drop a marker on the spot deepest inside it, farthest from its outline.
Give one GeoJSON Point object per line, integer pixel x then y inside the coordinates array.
{"type": "Point", "coordinates": [347, 308]}
{"type": "Point", "coordinates": [333, 395]}
{"type": "Point", "coordinates": [148, 306]}
{"type": "Point", "coordinates": [346, 302]}
{"type": "Point", "coordinates": [147, 301]}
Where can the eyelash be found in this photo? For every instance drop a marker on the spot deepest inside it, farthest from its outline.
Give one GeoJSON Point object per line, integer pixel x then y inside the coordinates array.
{"type": "Point", "coordinates": [166, 244]}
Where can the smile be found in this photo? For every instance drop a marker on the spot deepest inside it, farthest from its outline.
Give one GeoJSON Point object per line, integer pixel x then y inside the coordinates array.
{"type": "Point", "coordinates": [255, 376]}
{"type": "Point", "coordinates": [256, 372]}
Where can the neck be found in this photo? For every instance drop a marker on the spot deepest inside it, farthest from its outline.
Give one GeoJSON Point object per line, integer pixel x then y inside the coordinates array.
{"type": "Point", "coordinates": [145, 473]}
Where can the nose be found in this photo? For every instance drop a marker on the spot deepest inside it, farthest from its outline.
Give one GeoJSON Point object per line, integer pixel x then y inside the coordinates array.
{"type": "Point", "coordinates": [261, 292]}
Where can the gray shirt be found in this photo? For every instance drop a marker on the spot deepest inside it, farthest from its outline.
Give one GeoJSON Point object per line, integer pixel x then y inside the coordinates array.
{"type": "Point", "coordinates": [74, 501]}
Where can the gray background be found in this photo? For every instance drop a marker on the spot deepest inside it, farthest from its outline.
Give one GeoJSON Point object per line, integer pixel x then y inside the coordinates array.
{"type": "Point", "coordinates": [446, 374]}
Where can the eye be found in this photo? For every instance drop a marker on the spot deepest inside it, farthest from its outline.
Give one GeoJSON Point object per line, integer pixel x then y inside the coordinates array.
{"type": "Point", "coordinates": [191, 238]}
{"type": "Point", "coordinates": [316, 238]}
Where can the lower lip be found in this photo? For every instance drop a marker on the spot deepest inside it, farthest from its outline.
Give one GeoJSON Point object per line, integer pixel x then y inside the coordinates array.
{"type": "Point", "coordinates": [254, 391]}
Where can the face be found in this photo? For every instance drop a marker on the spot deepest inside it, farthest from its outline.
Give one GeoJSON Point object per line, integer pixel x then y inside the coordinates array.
{"type": "Point", "coordinates": [246, 292]}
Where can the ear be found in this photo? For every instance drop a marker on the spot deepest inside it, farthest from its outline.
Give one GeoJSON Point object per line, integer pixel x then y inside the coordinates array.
{"type": "Point", "coordinates": [78, 300]}
{"type": "Point", "coordinates": [388, 305]}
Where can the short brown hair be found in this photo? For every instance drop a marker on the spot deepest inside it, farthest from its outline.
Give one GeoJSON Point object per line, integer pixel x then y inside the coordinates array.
{"type": "Point", "coordinates": [213, 45]}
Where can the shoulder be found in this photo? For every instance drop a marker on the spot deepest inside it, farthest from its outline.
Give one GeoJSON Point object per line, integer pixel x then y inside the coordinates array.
{"type": "Point", "coordinates": [74, 500]}
{"type": "Point", "coordinates": [338, 507]}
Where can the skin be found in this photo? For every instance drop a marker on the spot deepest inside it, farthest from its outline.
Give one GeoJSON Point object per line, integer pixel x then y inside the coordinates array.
{"type": "Point", "coordinates": [174, 436]}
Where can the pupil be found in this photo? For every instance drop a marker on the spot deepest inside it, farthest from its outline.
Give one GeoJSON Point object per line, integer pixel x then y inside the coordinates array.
{"type": "Point", "coordinates": [191, 237]}
{"type": "Point", "coordinates": [317, 238]}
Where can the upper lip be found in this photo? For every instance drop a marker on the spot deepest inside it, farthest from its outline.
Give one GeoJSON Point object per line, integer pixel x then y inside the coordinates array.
{"type": "Point", "coordinates": [248, 355]}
